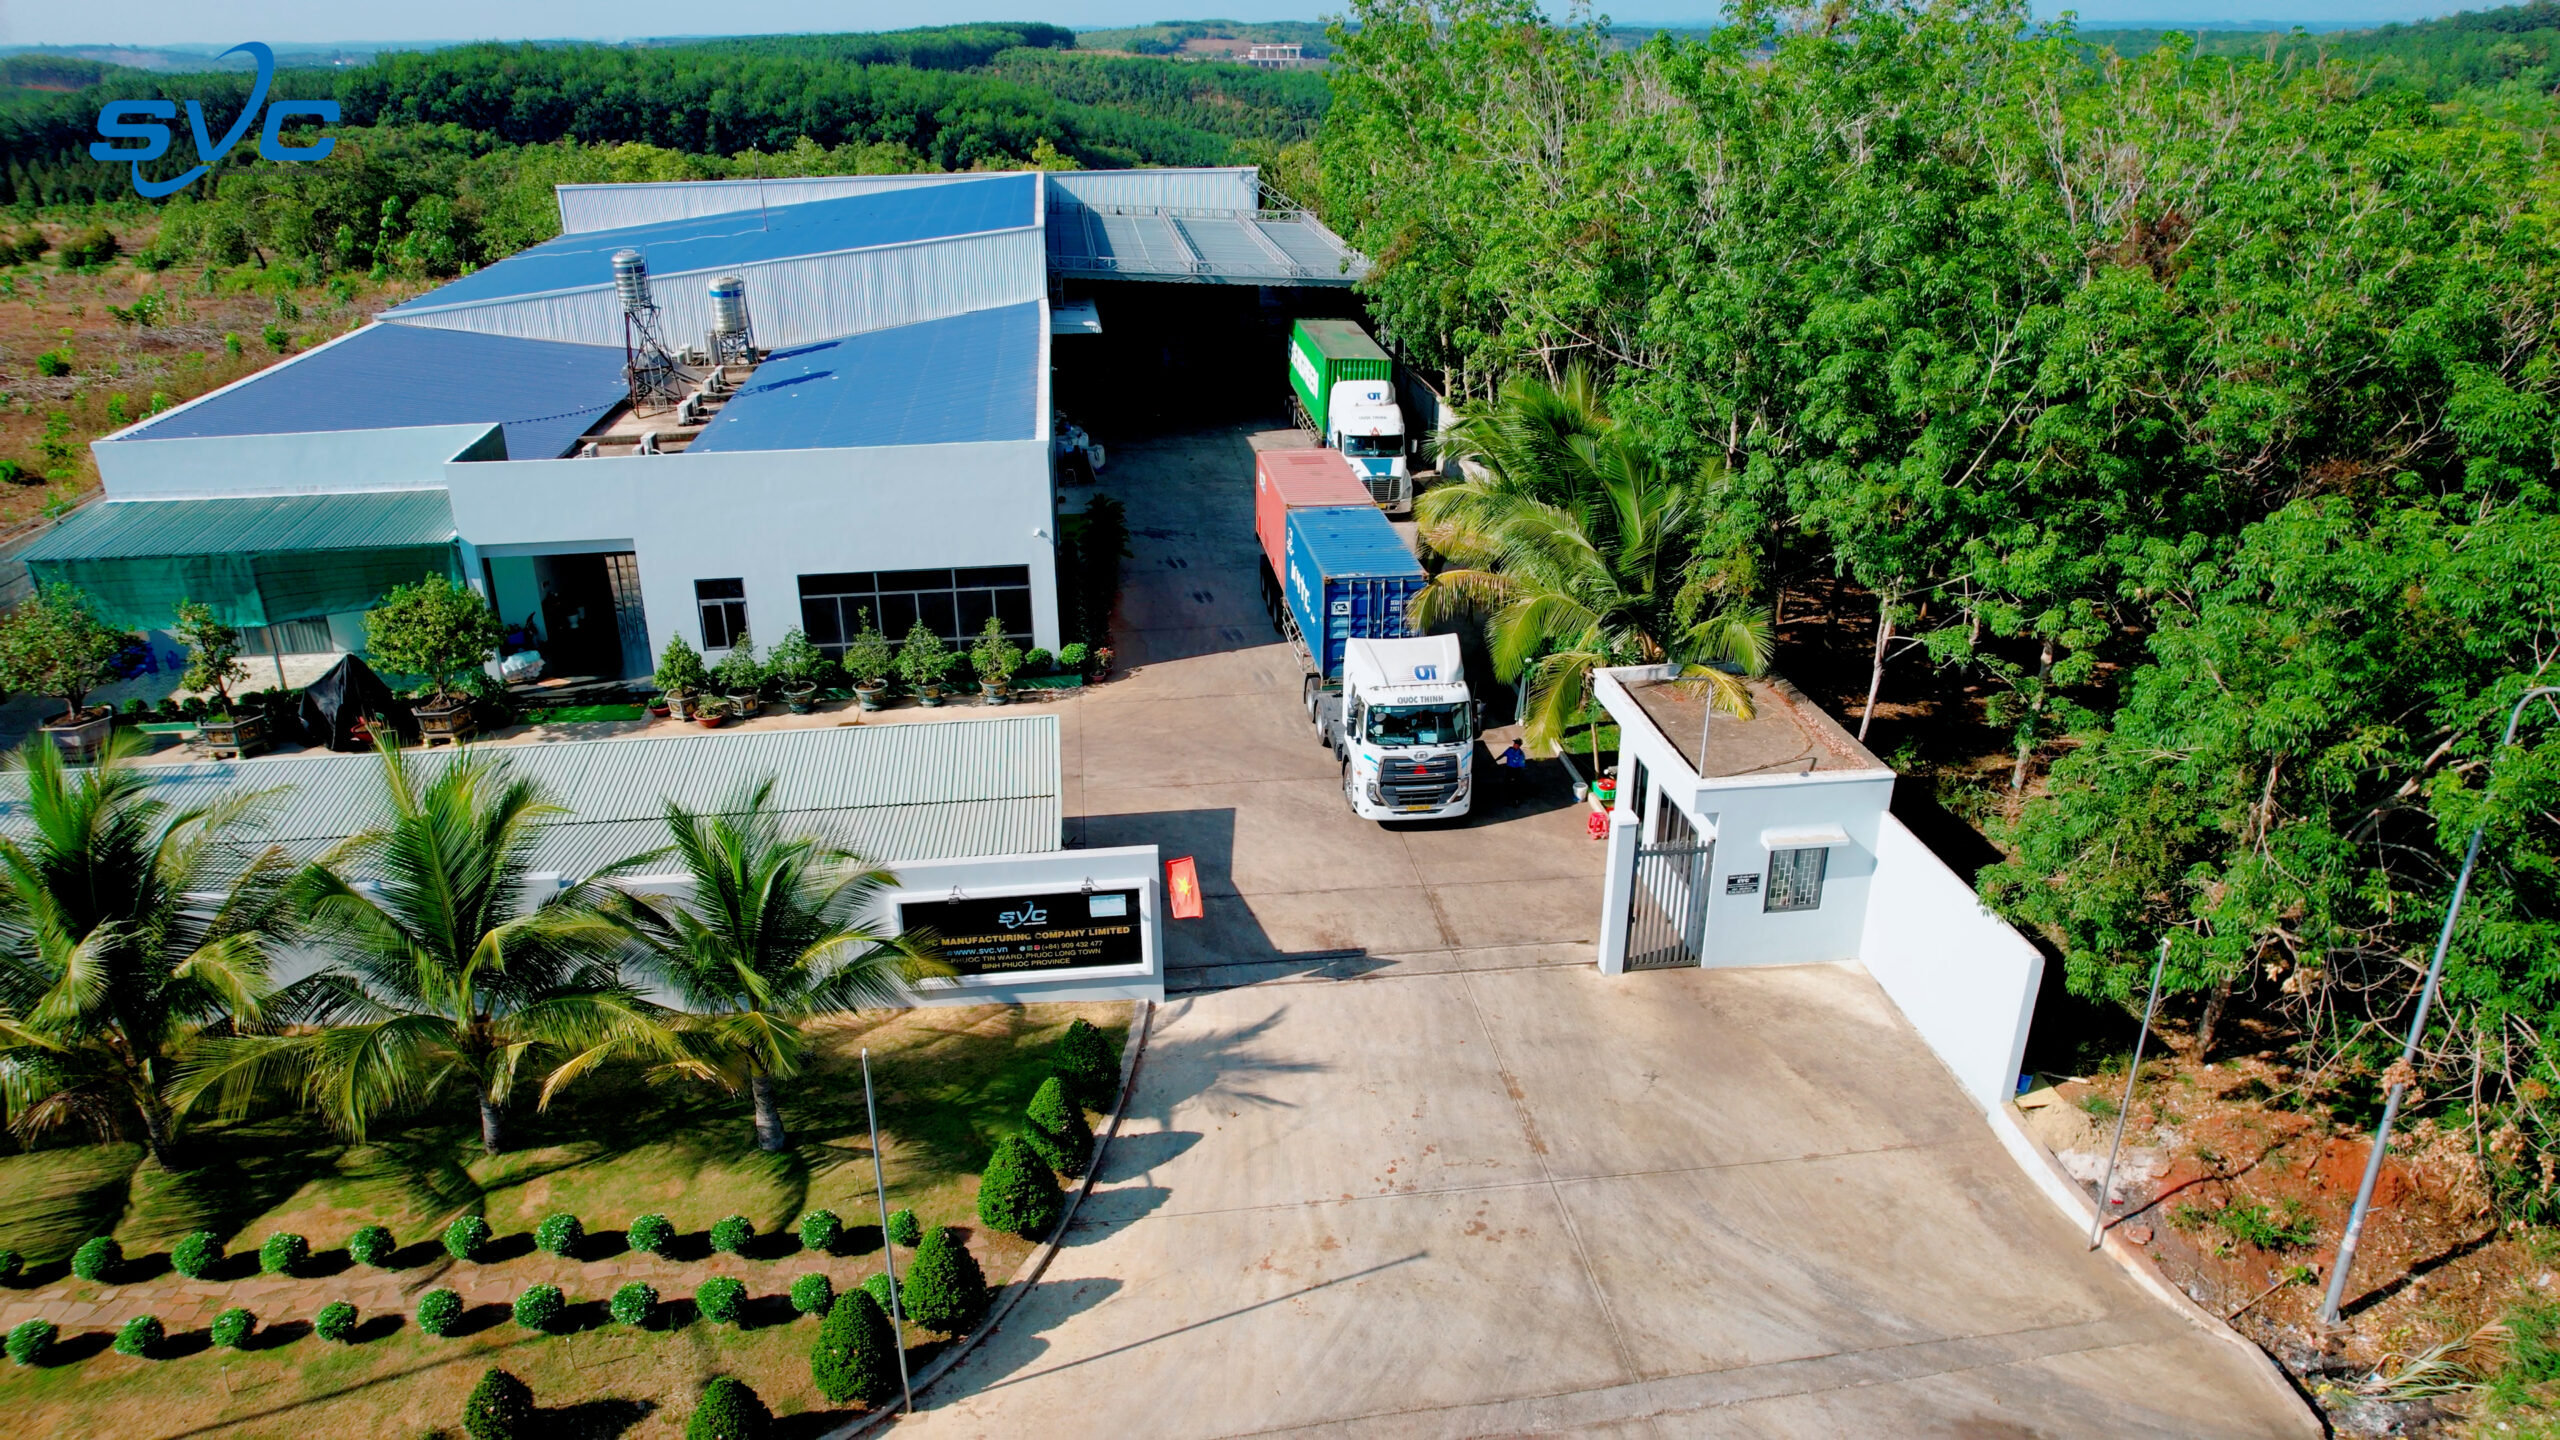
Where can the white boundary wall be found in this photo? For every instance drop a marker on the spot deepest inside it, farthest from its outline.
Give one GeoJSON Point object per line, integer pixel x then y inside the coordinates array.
{"type": "Point", "coordinates": [1963, 978]}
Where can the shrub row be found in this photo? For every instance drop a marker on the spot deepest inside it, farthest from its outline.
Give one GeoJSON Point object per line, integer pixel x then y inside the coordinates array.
{"type": "Point", "coordinates": [501, 1408]}
{"type": "Point", "coordinates": [197, 1255]}
{"type": "Point", "coordinates": [30, 1340]}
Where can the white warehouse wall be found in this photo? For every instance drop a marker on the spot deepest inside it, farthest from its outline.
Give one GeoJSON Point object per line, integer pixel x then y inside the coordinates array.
{"type": "Point", "coordinates": [1961, 975]}
{"type": "Point", "coordinates": [647, 202]}
{"type": "Point", "coordinates": [770, 517]}
{"type": "Point", "coordinates": [326, 462]}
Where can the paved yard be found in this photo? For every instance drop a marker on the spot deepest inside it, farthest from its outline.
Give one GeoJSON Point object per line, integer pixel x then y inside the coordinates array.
{"type": "Point", "coordinates": [1399, 1161]}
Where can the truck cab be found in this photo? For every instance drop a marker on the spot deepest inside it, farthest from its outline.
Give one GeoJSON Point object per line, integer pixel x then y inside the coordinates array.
{"type": "Point", "coordinates": [1364, 422]}
{"type": "Point", "coordinates": [1403, 725]}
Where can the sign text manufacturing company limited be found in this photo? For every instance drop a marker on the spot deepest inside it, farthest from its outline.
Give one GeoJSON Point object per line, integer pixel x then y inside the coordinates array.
{"type": "Point", "coordinates": [1005, 934]}
{"type": "Point", "coordinates": [139, 120]}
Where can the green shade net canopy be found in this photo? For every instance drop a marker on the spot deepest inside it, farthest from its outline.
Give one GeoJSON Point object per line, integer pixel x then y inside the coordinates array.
{"type": "Point", "coordinates": [256, 560]}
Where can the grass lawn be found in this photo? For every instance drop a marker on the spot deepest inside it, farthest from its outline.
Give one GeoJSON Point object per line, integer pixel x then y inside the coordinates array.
{"type": "Point", "coordinates": [569, 714]}
{"type": "Point", "coordinates": [950, 1082]}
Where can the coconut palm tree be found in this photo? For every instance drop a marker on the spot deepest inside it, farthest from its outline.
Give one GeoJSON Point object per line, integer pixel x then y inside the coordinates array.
{"type": "Point", "coordinates": [452, 968]}
{"type": "Point", "coordinates": [1574, 548]}
{"type": "Point", "coordinates": [771, 930]}
{"type": "Point", "coordinates": [124, 934]}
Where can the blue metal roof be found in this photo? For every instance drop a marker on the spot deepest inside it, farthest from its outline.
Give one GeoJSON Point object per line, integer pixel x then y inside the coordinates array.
{"type": "Point", "coordinates": [389, 377]}
{"type": "Point", "coordinates": [707, 242]}
{"type": "Point", "coordinates": [943, 382]}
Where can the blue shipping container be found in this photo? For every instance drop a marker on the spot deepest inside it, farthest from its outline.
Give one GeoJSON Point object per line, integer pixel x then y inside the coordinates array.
{"type": "Point", "coordinates": [1349, 578]}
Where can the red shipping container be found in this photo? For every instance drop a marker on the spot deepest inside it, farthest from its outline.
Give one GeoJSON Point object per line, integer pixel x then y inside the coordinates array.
{"type": "Point", "coordinates": [1286, 480]}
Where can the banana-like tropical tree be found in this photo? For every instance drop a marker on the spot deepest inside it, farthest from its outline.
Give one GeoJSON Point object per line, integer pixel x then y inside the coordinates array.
{"type": "Point", "coordinates": [126, 933]}
{"type": "Point", "coordinates": [770, 929]}
{"type": "Point", "coordinates": [452, 967]}
{"type": "Point", "coordinates": [1576, 551]}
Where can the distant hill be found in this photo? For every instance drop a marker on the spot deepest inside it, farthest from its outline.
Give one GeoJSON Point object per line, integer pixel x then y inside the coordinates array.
{"type": "Point", "coordinates": [1207, 39]}
{"type": "Point", "coordinates": [2508, 53]}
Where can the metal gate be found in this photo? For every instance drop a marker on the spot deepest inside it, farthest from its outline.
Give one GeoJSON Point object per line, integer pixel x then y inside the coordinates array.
{"type": "Point", "coordinates": [630, 620]}
{"type": "Point", "coordinates": [1667, 905]}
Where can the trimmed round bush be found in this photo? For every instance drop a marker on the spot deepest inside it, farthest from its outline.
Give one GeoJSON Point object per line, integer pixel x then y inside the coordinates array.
{"type": "Point", "coordinates": [196, 1255]}
{"type": "Point", "coordinates": [12, 1265]}
{"type": "Point", "coordinates": [812, 1293]}
{"type": "Point", "coordinates": [721, 1298]}
{"type": "Point", "coordinates": [372, 1245]}
{"type": "Point", "coordinates": [729, 1411]}
{"type": "Point", "coordinates": [137, 1335]}
{"type": "Point", "coordinates": [232, 1328]}
{"type": "Point", "coordinates": [1058, 1128]}
{"type": "Point", "coordinates": [1018, 1194]}
{"type": "Point", "coordinates": [877, 1286]}
{"type": "Point", "coordinates": [821, 1231]}
{"type": "Point", "coordinates": [336, 1322]}
{"type": "Point", "coordinates": [97, 1259]}
{"type": "Point", "coordinates": [1088, 1064]}
{"type": "Point", "coordinates": [283, 1253]}
{"type": "Point", "coordinates": [943, 1289]}
{"type": "Point", "coordinates": [634, 1303]}
{"type": "Point", "coordinates": [465, 1239]}
{"type": "Point", "coordinates": [500, 1408]}
{"type": "Point", "coordinates": [856, 1356]}
{"type": "Point", "coordinates": [29, 1339]}
{"type": "Point", "coordinates": [732, 1234]}
{"type": "Point", "coordinates": [539, 1307]}
{"type": "Point", "coordinates": [903, 1229]}
{"type": "Point", "coordinates": [560, 1235]}
{"type": "Point", "coordinates": [650, 1235]}
{"type": "Point", "coordinates": [437, 1312]}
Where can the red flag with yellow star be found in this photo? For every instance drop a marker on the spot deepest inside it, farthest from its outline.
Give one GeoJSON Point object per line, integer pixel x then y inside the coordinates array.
{"type": "Point", "coordinates": [1183, 879]}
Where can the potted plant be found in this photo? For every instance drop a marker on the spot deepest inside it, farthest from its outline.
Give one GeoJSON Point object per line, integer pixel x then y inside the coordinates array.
{"type": "Point", "coordinates": [53, 644]}
{"type": "Point", "coordinates": [922, 662]}
{"type": "Point", "coordinates": [213, 663]}
{"type": "Point", "coordinates": [869, 660]}
{"type": "Point", "coordinates": [994, 658]}
{"type": "Point", "coordinates": [741, 677]}
{"type": "Point", "coordinates": [681, 676]}
{"type": "Point", "coordinates": [439, 630]}
{"type": "Point", "coordinates": [796, 665]}
{"type": "Point", "coordinates": [712, 710]}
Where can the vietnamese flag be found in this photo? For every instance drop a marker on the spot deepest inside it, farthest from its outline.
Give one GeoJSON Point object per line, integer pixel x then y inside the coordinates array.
{"type": "Point", "coordinates": [1183, 879]}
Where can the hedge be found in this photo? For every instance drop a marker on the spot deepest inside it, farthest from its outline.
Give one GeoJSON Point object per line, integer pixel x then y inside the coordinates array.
{"type": "Point", "coordinates": [634, 1303]}
{"type": "Point", "coordinates": [464, 1239]}
{"type": "Point", "coordinates": [729, 1411]}
{"type": "Point", "coordinates": [29, 1339]}
{"type": "Point", "coordinates": [539, 1307]}
{"type": "Point", "coordinates": [812, 1293]}
{"type": "Point", "coordinates": [821, 1231]}
{"type": "Point", "coordinates": [139, 1334]}
{"type": "Point", "coordinates": [560, 1235]}
{"type": "Point", "coordinates": [650, 1235]}
{"type": "Point", "coordinates": [944, 1290]}
{"type": "Point", "coordinates": [97, 1259]}
{"type": "Point", "coordinates": [903, 1229]}
{"type": "Point", "coordinates": [283, 1253]}
{"type": "Point", "coordinates": [336, 1322]}
{"type": "Point", "coordinates": [855, 1357]}
{"type": "Point", "coordinates": [1087, 1064]}
{"type": "Point", "coordinates": [732, 1234]}
{"type": "Point", "coordinates": [1058, 1128]}
{"type": "Point", "coordinates": [500, 1408]}
{"type": "Point", "coordinates": [373, 1245]}
{"type": "Point", "coordinates": [12, 1265]}
{"type": "Point", "coordinates": [1018, 1193]}
{"type": "Point", "coordinates": [877, 1286]}
{"type": "Point", "coordinates": [232, 1328]}
{"type": "Point", "coordinates": [720, 1298]}
{"type": "Point", "coordinates": [196, 1255]}
{"type": "Point", "coordinates": [437, 1312]}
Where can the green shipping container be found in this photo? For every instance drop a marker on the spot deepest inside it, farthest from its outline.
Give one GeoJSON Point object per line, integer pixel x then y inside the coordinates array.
{"type": "Point", "coordinates": [1323, 354]}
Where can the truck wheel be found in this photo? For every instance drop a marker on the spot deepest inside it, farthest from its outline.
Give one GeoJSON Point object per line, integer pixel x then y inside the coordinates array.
{"type": "Point", "coordinates": [1348, 798]}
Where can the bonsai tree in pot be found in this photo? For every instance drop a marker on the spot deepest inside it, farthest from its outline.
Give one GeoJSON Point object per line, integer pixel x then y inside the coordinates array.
{"type": "Point", "coordinates": [797, 665]}
{"type": "Point", "coordinates": [213, 663]}
{"type": "Point", "coordinates": [438, 630]}
{"type": "Point", "coordinates": [741, 676]}
{"type": "Point", "coordinates": [681, 675]}
{"type": "Point", "coordinates": [995, 659]}
{"type": "Point", "coordinates": [869, 660]}
{"type": "Point", "coordinates": [922, 662]}
{"type": "Point", "coordinates": [54, 644]}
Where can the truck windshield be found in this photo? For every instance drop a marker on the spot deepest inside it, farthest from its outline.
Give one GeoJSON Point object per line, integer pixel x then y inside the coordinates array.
{"type": "Point", "coordinates": [1396, 726]}
{"type": "Point", "coordinates": [1370, 446]}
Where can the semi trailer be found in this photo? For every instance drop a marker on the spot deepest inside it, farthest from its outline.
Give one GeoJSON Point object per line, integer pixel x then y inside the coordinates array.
{"type": "Point", "coordinates": [1391, 704]}
{"type": "Point", "coordinates": [1342, 388]}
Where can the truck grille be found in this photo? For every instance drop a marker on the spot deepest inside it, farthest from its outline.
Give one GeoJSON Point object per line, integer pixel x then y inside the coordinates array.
{"type": "Point", "coordinates": [1382, 488]}
{"type": "Point", "coordinates": [1432, 781]}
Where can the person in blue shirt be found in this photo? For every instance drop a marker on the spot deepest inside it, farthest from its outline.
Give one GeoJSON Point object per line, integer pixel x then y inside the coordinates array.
{"type": "Point", "coordinates": [1514, 764]}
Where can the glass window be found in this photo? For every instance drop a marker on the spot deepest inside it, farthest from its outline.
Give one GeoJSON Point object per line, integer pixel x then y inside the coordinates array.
{"type": "Point", "coordinates": [1396, 726]}
{"type": "Point", "coordinates": [954, 604]}
{"type": "Point", "coordinates": [1372, 446]}
{"type": "Point", "coordinates": [1795, 879]}
{"type": "Point", "coordinates": [724, 611]}
{"type": "Point", "coordinates": [1636, 797]}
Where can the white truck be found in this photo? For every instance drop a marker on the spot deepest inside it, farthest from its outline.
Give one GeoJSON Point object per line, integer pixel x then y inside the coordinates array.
{"type": "Point", "coordinates": [1403, 726]}
{"type": "Point", "coordinates": [1342, 387]}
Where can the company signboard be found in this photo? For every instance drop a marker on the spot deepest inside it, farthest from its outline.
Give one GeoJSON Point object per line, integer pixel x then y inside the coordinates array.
{"type": "Point", "coordinates": [1010, 934]}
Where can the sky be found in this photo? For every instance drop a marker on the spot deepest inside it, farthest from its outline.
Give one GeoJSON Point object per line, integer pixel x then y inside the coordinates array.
{"type": "Point", "coordinates": [321, 22]}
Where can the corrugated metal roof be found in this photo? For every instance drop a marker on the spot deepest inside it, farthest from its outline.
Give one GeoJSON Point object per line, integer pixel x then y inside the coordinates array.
{"type": "Point", "coordinates": [939, 791]}
{"type": "Point", "coordinates": [584, 261]}
{"type": "Point", "coordinates": [389, 377]}
{"type": "Point", "coordinates": [359, 520]}
{"type": "Point", "coordinates": [966, 378]}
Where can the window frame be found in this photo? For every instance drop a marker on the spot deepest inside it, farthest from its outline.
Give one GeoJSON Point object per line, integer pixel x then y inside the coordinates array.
{"type": "Point", "coordinates": [732, 610]}
{"type": "Point", "coordinates": [1786, 884]}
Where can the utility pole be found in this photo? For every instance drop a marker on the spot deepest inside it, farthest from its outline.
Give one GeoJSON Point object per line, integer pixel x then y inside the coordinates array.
{"type": "Point", "coordinates": [888, 1248]}
{"type": "Point", "coordinates": [2098, 1227]}
{"type": "Point", "coordinates": [2417, 1028]}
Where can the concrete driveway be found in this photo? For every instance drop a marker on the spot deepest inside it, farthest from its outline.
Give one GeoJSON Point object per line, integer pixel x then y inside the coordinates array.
{"type": "Point", "coordinates": [1399, 1161]}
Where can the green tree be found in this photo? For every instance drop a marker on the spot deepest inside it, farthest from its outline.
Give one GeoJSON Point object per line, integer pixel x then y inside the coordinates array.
{"type": "Point", "coordinates": [123, 938]}
{"type": "Point", "coordinates": [1018, 1193]}
{"type": "Point", "coordinates": [771, 930]}
{"type": "Point", "coordinates": [1058, 1128]}
{"type": "Point", "coordinates": [451, 968]}
{"type": "Point", "coordinates": [1086, 1064]}
{"type": "Point", "coordinates": [943, 1289]}
{"type": "Point", "coordinates": [855, 1358]}
{"type": "Point", "coordinates": [500, 1408]}
{"type": "Point", "coordinates": [729, 1411]}
{"type": "Point", "coordinates": [53, 644]}
{"type": "Point", "coordinates": [213, 651]}
{"type": "Point", "coordinates": [435, 629]}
